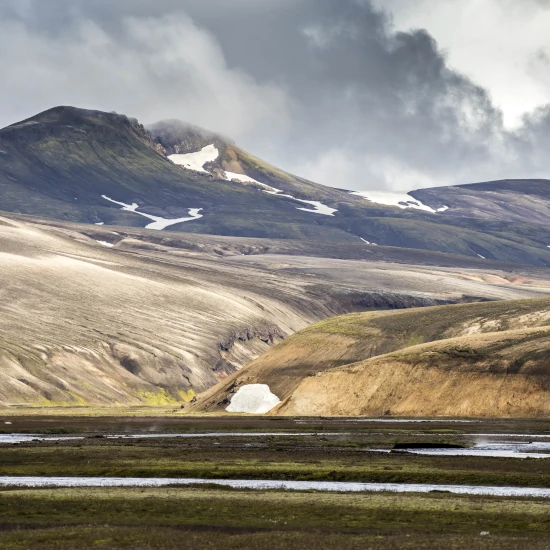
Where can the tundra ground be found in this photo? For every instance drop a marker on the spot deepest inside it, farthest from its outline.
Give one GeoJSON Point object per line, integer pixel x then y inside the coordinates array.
{"type": "Point", "coordinates": [214, 517]}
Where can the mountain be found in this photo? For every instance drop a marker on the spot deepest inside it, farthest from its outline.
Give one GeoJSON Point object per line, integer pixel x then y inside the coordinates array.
{"type": "Point", "coordinates": [105, 168]}
{"type": "Point", "coordinates": [147, 264]}
{"type": "Point", "coordinates": [517, 201]}
{"type": "Point", "coordinates": [484, 359]}
{"type": "Point", "coordinates": [64, 162]}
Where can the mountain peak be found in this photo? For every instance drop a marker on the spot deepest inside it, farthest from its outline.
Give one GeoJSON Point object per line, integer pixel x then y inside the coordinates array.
{"type": "Point", "coordinates": [178, 137]}
{"type": "Point", "coordinates": [66, 114]}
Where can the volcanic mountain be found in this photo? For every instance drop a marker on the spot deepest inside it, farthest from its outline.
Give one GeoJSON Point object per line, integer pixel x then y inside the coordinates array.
{"type": "Point", "coordinates": [107, 169]}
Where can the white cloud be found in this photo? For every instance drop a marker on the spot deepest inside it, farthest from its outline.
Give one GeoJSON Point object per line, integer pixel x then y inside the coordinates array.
{"type": "Point", "coordinates": [341, 168]}
{"type": "Point", "coordinates": [500, 44]}
{"type": "Point", "coordinates": [153, 69]}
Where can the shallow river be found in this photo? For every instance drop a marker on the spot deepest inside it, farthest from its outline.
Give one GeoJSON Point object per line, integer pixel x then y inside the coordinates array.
{"type": "Point", "coordinates": [335, 486]}
{"type": "Point", "coordinates": [25, 438]}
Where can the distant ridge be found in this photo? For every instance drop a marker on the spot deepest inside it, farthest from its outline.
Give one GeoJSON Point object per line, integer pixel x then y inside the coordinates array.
{"type": "Point", "coordinates": [60, 164]}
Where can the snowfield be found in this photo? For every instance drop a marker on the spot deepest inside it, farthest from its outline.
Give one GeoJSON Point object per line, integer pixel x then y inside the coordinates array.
{"type": "Point", "coordinates": [318, 207]}
{"type": "Point", "coordinates": [232, 176]}
{"type": "Point", "coordinates": [196, 161]}
{"type": "Point", "coordinates": [402, 200]}
{"type": "Point", "coordinates": [253, 399]}
{"type": "Point", "coordinates": [158, 222]}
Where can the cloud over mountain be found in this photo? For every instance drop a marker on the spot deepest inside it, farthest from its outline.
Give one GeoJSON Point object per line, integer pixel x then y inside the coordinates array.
{"type": "Point", "coordinates": [330, 90]}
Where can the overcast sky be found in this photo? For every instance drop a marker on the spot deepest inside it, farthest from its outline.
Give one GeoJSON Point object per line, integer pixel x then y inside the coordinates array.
{"type": "Point", "coordinates": [362, 94]}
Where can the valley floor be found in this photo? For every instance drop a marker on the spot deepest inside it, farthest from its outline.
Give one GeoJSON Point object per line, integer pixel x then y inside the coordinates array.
{"type": "Point", "coordinates": [215, 448]}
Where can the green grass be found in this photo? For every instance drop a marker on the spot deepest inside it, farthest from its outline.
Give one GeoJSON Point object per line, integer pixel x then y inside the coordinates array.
{"type": "Point", "coordinates": [210, 517]}
{"type": "Point", "coordinates": [214, 518]}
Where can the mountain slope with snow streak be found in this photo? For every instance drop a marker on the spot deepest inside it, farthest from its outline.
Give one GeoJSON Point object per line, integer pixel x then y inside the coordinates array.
{"type": "Point", "coordinates": [318, 207]}
{"type": "Point", "coordinates": [401, 200]}
{"type": "Point", "coordinates": [59, 163]}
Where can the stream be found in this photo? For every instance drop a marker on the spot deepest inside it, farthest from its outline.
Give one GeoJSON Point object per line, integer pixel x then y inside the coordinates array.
{"type": "Point", "coordinates": [330, 486]}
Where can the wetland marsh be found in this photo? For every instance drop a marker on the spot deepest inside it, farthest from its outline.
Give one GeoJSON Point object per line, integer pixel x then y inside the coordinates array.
{"type": "Point", "coordinates": [241, 451]}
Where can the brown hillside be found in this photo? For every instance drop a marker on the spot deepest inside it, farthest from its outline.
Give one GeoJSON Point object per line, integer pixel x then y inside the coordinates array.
{"type": "Point", "coordinates": [297, 363]}
{"type": "Point", "coordinates": [491, 375]}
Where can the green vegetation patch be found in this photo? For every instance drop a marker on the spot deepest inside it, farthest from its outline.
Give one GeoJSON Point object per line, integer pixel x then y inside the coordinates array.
{"type": "Point", "coordinates": [126, 518]}
{"type": "Point", "coordinates": [324, 458]}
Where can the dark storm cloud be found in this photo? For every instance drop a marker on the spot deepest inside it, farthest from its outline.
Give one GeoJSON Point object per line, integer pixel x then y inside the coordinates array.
{"type": "Point", "coordinates": [322, 87]}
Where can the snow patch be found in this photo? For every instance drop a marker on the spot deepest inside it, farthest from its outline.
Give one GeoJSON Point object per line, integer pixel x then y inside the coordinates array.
{"type": "Point", "coordinates": [196, 161]}
{"type": "Point", "coordinates": [253, 399]}
{"type": "Point", "coordinates": [402, 200]}
{"type": "Point", "coordinates": [368, 242]}
{"type": "Point", "coordinates": [318, 207]}
{"type": "Point", "coordinates": [158, 222]}
{"type": "Point", "coordinates": [105, 243]}
{"type": "Point", "coordinates": [482, 257]}
{"type": "Point", "coordinates": [233, 176]}
{"type": "Point", "coordinates": [100, 223]}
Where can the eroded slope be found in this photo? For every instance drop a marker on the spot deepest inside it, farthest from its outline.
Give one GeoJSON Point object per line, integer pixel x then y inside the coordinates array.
{"type": "Point", "coordinates": [490, 374]}
{"type": "Point", "coordinates": [139, 322]}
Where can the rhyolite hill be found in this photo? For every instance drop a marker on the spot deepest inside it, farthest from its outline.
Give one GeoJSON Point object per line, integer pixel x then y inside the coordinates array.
{"type": "Point", "coordinates": [62, 163]}
{"type": "Point", "coordinates": [469, 360]}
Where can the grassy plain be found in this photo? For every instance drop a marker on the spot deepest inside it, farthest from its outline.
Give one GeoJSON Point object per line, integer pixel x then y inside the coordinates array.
{"type": "Point", "coordinates": [212, 517]}
{"type": "Point", "coordinates": [324, 458]}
